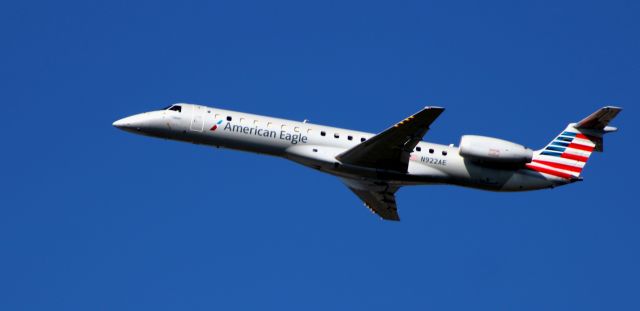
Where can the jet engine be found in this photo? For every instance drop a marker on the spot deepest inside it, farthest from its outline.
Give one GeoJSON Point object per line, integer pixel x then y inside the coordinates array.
{"type": "Point", "coordinates": [493, 150]}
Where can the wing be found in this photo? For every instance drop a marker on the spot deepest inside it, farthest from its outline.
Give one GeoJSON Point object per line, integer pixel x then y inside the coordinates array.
{"type": "Point", "coordinates": [379, 197]}
{"type": "Point", "coordinates": [391, 148]}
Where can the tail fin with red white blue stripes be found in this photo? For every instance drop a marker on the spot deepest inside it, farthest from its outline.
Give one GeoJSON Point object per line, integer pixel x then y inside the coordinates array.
{"type": "Point", "coordinates": [567, 154]}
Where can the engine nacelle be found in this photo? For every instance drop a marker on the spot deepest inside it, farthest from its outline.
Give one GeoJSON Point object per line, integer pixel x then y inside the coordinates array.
{"type": "Point", "coordinates": [493, 150]}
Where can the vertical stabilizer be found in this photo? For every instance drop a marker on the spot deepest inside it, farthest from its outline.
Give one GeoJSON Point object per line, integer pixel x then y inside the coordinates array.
{"type": "Point", "coordinates": [566, 155]}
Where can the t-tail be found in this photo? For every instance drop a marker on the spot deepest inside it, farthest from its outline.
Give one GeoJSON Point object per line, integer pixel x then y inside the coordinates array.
{"type": "Point", "coordinates": [566, 155]}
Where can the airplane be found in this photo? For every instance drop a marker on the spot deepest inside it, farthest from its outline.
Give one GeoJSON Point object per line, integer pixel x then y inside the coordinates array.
{"type": "Point", "coordinates": [375, 166]}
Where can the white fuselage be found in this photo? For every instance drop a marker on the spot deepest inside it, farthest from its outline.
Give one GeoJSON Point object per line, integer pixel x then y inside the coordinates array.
{"type": "Point", "coordinates": [317, 146]}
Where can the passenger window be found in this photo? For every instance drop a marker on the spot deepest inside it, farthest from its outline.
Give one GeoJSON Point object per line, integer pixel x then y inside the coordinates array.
{"type": "Point", "coordinates": [323, 133]}
{"type": "Point", "coordinates": [218, 116]}
{"type": "Point", "coordinates": [309, 131]}
{"type": "Point", "coordinates": [242, 120]}
{"type": "Point", "coordinates": [296, 129]}
{"type": "Point", "coordinates": [229, 118]}
{"type": "Point", "coordinates": [430, 150]}
{"type": "Point", "coordinates": [444, 153]}
{"type": "Point", "coordinates": [283, 127]}
{"type": "Point", "coordinates": [336, 135]}
{"type": "Point", "coordinates": [256, 122]}
{"type": "Point", "coordinates": [418, 149]}
{"type": "Point", "coordinates": [269, 124]}
{"type": "Point", "coordinates": [350, 137]}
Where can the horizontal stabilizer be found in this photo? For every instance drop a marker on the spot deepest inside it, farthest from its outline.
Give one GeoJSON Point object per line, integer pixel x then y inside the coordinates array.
{"type": "Point", "coordinates": [599, 119]}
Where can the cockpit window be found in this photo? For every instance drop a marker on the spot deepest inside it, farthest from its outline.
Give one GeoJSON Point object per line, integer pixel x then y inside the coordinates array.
{"type": "Point", "coordinates": [174, 108]}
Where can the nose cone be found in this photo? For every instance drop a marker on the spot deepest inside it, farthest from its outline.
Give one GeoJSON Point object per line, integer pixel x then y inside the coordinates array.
{"type": "Point", "coordinates": [120, 123]}
{"type": "Point", "coordinates": [132, 123]}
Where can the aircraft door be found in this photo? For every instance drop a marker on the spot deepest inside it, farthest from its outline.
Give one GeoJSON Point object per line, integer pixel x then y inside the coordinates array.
{"type": "Point", "coordinates": [197, 122]}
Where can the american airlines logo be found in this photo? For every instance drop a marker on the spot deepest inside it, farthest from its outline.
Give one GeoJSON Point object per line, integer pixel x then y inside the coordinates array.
{"type": "Point", "coordinates": [215, 126]}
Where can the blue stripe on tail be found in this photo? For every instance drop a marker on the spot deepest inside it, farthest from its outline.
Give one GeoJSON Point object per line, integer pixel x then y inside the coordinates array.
{"type": "Point", "coordinates": [551, 153]}
{"type": "Point", "coordinates": [554, 148]}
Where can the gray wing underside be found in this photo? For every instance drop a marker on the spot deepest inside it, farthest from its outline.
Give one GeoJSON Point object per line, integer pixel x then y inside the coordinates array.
{"type": "Point", "coordinates": [379, 197]}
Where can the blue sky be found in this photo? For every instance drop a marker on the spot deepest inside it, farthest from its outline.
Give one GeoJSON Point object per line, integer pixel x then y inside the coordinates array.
{"type": "Point", "coordinates": [93, 218]}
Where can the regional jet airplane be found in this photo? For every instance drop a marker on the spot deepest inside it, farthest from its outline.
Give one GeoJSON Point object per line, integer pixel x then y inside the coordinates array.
{"type": "Point", "coordinates": [375, 166]}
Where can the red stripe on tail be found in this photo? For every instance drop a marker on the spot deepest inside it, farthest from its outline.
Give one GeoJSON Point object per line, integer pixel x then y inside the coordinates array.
{"type": "Point", "coordinates": [549, 171]}
{"type": "Point", "coordinates": [583, 136]}
{"type": "Point", "coordinates": [574, 157]}
{"type": "Point", "coordinates": [560, 166]}
{"type": "Point", "coordinates": [580, 147]}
